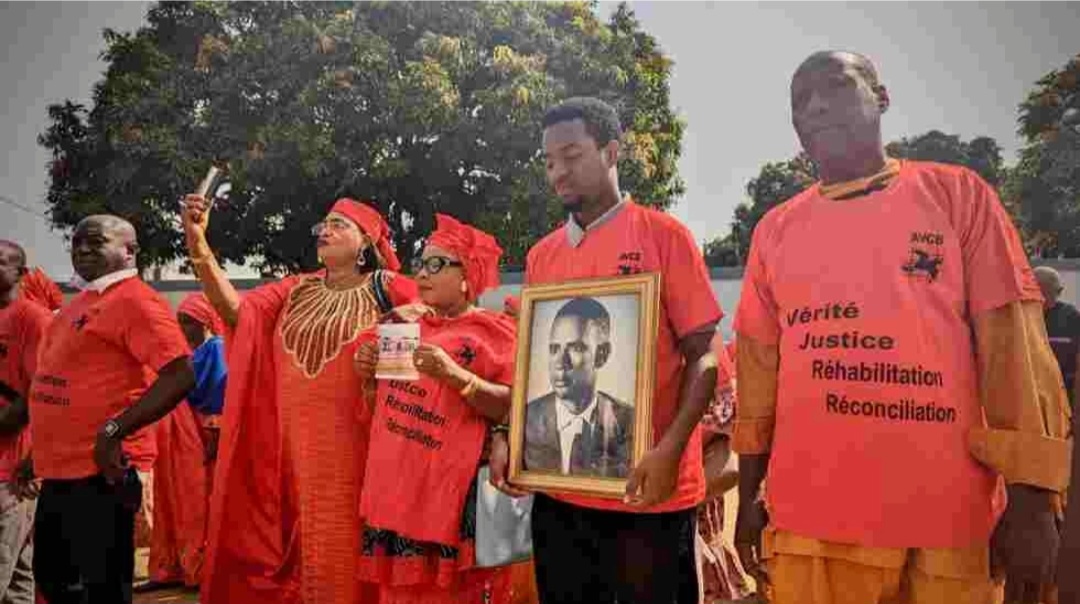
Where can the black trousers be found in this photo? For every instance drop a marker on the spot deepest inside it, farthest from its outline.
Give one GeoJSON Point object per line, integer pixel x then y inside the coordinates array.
{"type": "Point", "coordinates": [600, 557]}
{"type": "Point", "coordinates": [84, 540]}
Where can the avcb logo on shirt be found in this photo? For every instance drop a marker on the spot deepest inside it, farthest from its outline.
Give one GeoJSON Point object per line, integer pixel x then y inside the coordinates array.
{"type": "Point", "coordinates": [466, 354]}
{"type": "Point", "coordinates": [925, 256]}
{"type": "Point", "coordinates": [630, 263]}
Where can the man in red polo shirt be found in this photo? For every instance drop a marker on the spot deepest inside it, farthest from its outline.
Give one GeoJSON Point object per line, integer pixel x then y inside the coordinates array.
{"type": "Point", "coordinates": [22, 324]}
{"type": "Point", "coordinates": [113, 361]}
{"type": "Point", "coordinates": [639, 550]}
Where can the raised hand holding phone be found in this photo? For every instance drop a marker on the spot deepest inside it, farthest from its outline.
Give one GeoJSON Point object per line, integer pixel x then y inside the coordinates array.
{"type": "Point", "coordinates": [196, 214]}
{"type": "Point", "coordinates": [209, 182]}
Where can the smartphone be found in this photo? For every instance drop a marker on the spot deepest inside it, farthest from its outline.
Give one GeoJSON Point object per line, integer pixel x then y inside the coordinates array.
{"type": "Point", "coordinates": [210, 182]}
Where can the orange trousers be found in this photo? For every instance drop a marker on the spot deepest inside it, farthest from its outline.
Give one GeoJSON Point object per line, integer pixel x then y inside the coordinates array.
{"type": "Point", "coordinates": [815, 580]}
{"type": "Point", "coordinates": [807, 571]}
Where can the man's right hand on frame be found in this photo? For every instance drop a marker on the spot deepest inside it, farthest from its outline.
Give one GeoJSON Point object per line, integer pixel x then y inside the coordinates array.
{"type": "Point", "coordinates": [499, 465]}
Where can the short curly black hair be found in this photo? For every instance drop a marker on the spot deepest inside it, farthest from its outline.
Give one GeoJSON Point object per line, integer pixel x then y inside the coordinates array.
{"type": "Point", "coordinates": [601, 119]}
{"type": "Point", "coordinates": [588, 310]}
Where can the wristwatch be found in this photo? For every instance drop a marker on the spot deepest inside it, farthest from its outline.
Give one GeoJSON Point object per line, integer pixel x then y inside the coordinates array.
{"type": "Point", "coordinates": [111, 428]}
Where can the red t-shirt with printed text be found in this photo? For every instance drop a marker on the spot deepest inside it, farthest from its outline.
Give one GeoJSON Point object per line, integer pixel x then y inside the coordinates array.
{"type": "Point", "coordinates": [22, 325]}
{"type": "Point", "coordinates": [870, 301]}
{"type": "Point", "coordinates": [640, 240]}
{"type": "Point", "coordinates": [425, 439]}
{"type": "Point", "coordinates": [99, 356]}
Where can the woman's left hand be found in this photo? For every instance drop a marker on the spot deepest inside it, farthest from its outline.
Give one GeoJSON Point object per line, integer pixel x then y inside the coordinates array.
{"type": "Point", "coordinates": [435, 362]}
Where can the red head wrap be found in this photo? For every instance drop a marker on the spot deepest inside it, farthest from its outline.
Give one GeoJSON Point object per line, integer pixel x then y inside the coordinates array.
{"type": "Point", "coordinates": [36, 287]}
{"type": "Point", "coordinates": [372, 224]}
{"type": "Point", "coordinates": [198, 307]}
{"type": "Point", "coordinates": [477, 250]}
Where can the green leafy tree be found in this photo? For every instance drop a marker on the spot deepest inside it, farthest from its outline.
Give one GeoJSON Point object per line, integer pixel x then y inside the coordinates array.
{"type": "Point", "coordinates": [1044, 186]}
{"type": "Point", "coordinates": [982, 154]}
{"type": "Point", "coordinates": [421, 107]}
{"type": "Point", "coordinates": [774, 184]}
{"type": "Point", "coordinates": [722, 251]}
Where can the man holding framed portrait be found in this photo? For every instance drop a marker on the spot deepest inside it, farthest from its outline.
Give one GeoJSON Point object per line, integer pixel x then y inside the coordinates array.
{"type": "Point", "coordinates": [636, 547]}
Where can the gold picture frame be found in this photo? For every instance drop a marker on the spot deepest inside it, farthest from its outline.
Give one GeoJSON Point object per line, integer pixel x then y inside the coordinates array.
{"type": "Point", "coordinates": [534, 418]}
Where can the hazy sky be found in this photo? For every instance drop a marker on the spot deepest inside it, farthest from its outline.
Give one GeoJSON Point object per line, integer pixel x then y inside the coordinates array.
{"type": "Point", "coordinates": [959, 67]}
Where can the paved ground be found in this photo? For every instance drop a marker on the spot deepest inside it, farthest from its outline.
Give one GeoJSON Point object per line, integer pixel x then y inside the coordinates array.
{"type": "Point", "coordinates": [142, 556]}
{"type": "Point", "coordinates": [181, 596]}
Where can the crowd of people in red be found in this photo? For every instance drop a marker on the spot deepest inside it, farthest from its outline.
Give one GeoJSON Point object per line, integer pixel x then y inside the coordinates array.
{"type": "Point", "coordinates": [249, 432]}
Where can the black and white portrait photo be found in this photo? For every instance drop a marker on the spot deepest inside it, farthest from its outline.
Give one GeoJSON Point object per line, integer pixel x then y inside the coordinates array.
{"type": "Point", "coordinates": [581, 404]}
{"type": "Point", "coordinates": [580, 419]}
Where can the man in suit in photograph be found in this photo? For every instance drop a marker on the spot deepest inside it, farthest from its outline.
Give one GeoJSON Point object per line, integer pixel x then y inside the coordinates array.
{"type": "Point", "coordinates": [577, 429]}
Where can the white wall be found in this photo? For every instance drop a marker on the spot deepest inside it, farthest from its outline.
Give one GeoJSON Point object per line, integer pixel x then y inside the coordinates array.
{"type": "Point", "coordinates": [725, 289]}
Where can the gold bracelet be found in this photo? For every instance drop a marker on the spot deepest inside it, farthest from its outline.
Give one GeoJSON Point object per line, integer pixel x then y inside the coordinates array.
{"type": "Point", "coordinates": [470, 388]}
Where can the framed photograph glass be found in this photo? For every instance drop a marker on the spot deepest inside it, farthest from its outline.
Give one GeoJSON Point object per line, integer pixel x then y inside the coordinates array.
{"type": "Point", "coordinates": [581, 411]}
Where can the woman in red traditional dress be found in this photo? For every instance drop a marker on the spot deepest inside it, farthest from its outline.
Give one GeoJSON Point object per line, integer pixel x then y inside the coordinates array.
{"type": "Point", "coordinates": [187, 443]}
{"type": "Point", "coordinates": [283, 522]}
{"type": "Point", "coordinates": [428, 435]}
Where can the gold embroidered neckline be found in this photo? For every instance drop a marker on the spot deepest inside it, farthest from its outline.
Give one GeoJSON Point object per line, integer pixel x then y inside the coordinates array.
{"type": "Point", "coordinates": [319, 321]}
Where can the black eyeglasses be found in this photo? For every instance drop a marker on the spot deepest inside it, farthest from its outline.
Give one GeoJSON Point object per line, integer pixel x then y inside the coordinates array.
{"type": "Point", "coordinates": [432, 264]}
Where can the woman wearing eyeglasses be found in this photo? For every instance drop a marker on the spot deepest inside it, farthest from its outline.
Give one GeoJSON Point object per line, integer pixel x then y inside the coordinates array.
{"type": "Point", "coordinates": [283, 523]}
{"type": "Point", "coordinates": [427, 436]}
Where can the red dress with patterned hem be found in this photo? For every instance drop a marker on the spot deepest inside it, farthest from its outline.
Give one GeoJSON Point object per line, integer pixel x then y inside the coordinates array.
{"type": "Point", "coordinates": [426, 446]}
{"type": "Point", "coordinates": [284, 527]}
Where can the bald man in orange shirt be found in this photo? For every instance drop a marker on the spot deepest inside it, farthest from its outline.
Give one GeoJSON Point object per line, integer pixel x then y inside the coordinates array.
{"type": "Point", "coordinates": [893, 372]}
